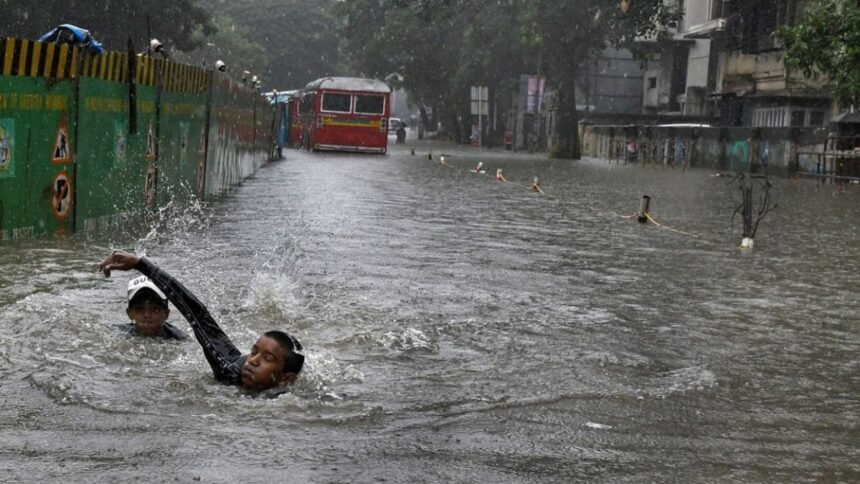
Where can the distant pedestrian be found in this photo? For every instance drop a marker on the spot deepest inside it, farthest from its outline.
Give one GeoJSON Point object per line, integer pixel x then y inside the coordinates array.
{"type": "Point", "coordinates": [401, 133]}
{"type": "Point", "coordinates": [680, 153]}
{"type": "Point", "coordinates": [632, 149]}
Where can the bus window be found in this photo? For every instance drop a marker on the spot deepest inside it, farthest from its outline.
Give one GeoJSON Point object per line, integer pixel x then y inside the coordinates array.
{"type": "Point", "coordinates": [306, 106]}
{"type": "Point", "coordinates": [338, 103]}
{"type": "Point", "coordinates": [369, 104]}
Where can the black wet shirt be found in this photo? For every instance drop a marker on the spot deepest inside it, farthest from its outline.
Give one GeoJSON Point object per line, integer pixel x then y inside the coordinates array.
{"type": "Point", "coordinates": [168, 331]}
{"type": "Point", "coordinates": [223, 356]}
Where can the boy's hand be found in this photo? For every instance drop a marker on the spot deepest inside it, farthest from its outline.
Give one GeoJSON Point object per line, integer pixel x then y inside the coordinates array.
{"type": "Point", "coordinates": [120, 261]}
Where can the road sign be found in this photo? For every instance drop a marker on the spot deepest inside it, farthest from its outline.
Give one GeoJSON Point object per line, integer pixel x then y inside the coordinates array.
{"type": "Point", "coordinates": [480, 96]}
{"type": "Point", "coordinates": [480, 107]}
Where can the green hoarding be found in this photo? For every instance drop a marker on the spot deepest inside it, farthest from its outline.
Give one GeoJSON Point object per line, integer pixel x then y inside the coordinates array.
{"type": "Point", "coordinates": [37, 175]}
{"type": "Point", "coordinates": [74, 156]}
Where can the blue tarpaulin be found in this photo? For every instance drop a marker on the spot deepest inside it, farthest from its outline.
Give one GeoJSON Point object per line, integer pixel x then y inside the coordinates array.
{"type": "Point", "coordinates": [71, 34]}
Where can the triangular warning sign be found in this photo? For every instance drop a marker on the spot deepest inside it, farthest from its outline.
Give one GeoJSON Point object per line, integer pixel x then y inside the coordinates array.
{"type": "Point", "coordinates": [62, 145]}
{"type": "Point", "coordinates": [150, 144]}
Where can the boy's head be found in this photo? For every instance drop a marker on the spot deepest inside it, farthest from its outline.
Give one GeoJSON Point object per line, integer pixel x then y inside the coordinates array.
{"type": "Point", "coordinates": [274, 361]}
{"type": "Point", "coordinates": [147, 306]}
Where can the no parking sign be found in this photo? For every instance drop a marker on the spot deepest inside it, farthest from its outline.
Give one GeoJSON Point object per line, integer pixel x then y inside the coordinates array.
{"type": "Point", "coordinates": [61, 199]}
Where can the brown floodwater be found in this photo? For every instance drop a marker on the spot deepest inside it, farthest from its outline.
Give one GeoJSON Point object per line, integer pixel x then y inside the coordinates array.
{"type": "Point", "coordinates": [457, 329]}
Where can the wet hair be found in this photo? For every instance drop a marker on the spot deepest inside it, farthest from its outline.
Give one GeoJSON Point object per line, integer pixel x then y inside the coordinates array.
{"type": "Point", "coordinates": [293, 362]}
{"type": "Point", "coordinates": [145, 296]}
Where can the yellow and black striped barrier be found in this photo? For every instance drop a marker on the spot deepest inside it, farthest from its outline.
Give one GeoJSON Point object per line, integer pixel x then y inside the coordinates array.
{"type": "Point", "coordinates": [29, 58]}
{"type": "Point", "coordinates": [178, 77]}
{"type": "Point", "coordinates": [109, 66]}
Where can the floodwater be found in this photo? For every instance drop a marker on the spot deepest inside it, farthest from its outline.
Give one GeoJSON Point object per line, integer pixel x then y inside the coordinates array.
{"type": "Point", "coordinates": [457, 329]}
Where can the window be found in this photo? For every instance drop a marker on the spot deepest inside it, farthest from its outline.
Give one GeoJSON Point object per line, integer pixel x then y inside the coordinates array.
{"type": "Point", "coordinates": [369, 104]}
{"type": "Point", "coordinates": [797, 117]}
{"type": "Point", "coordinates": [769, 117]}
{"type": "Point", "coordinates": [816, 118]}
{"type": "Point", "coordinates": [652, 83]}
{"type": "Point", "coordinates": [716, 9]}
{"type": "Point", "coordinates": [752, 23]}
{"type": "Point", "coordinates": [339, 103]}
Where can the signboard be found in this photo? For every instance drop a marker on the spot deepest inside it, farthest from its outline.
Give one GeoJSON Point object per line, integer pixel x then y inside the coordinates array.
{"type": "Point", "coordinates": [480, 96]}
{"type": "Point", "coordinates": [61, 199]}
{"type": "Point", "coordinates": [534, 100]}
{"type": "Point", "coordinates": [7, 142]}
{"type": "Point", "coordinates": [62, 150]}
{"type": "Point", "coordinates": [480, 107]}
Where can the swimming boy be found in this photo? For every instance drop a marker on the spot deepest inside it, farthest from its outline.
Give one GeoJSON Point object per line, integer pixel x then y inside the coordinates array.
{"type": "Point", "coordinates": [148, 311]}
{"type": "Point", "coordinates": [274, 360]}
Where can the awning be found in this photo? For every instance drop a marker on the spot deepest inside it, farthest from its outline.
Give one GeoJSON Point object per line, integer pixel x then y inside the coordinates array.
{"type": "Point", "coordinates": [846, 118]}
{"type": "Point", "coordinates": [706, 30]}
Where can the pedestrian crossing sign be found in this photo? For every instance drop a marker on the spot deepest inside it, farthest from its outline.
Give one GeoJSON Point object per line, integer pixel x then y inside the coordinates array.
{"type": "Point", "coordinates": [62, 145]}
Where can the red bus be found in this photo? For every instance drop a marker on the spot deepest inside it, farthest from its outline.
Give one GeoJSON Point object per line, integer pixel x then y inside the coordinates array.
{"type": "Point", "coordinates": [345, 114]}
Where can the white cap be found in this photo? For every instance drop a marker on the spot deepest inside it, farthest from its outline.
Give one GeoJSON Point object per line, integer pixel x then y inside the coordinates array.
{"type": "Point", "coordinates": [143, 282]}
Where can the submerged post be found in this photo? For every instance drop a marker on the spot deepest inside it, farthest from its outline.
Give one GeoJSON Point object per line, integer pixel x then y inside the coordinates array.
{"type": "Point", "coordinates": [746, 213]}
{"type": "Point", "coordinates": [644, 203]}
{"type": "Point", "coordinates": [748, 231]}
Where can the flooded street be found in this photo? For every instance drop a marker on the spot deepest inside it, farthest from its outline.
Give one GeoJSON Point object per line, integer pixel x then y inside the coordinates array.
{"type": "Point", "coordinates": [457, 329]}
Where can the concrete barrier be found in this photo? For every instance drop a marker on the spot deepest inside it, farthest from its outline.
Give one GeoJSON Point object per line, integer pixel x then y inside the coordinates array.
{"type": "Point", "coordinates": [780, 150]}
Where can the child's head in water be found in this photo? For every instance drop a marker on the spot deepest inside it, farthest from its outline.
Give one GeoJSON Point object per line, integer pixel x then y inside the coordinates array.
{"type": "Point", "coordinates": [274, 361]}
{"type": "Point", "coordinates": [147, 306]}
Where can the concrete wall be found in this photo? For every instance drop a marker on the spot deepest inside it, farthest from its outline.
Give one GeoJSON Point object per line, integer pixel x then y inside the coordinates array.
{"type": "Point", "coordinates": [696, 12]}
{"type": "Point", "coordinates": [730, 149]}
{"type": "Point", "coordinates": [697, 63]}
{"type": "Point", "coordinates": [759, 72]}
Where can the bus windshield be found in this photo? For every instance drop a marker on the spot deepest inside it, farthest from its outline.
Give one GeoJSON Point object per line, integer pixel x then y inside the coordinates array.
{"type": "Point", "coordinates": [335, 102]}
{"type": "Point", "coordinates": [369, 104]}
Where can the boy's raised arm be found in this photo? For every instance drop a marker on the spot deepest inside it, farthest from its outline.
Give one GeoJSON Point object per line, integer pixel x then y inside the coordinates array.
{"type": "Point", "coordinates": [220, 352]}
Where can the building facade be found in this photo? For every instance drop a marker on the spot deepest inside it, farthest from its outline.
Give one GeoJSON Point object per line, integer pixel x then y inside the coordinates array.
{"type": "Point", "coordinates": [724, 60]}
